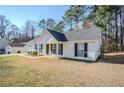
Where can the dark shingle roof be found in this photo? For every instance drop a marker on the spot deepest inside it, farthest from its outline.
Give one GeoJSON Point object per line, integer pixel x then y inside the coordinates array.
{"type": "Point", "coordinates": [79, 34]}
{"type": "Point", "coordinates": [57, 35]}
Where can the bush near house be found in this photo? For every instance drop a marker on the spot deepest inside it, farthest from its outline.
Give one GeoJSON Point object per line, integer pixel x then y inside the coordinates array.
{"type": "Point", "coordinates": [29, 52]}
{"type": "Point", "coordinates": [34, 53]}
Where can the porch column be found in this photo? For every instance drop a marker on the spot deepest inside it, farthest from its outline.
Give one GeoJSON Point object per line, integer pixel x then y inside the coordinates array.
{"type": "Point", "coordinates": [57, 50]}
{"type": "Point", "coordinates": [50, 49]}
{"type": "Point", "coordinates": [38, 46]}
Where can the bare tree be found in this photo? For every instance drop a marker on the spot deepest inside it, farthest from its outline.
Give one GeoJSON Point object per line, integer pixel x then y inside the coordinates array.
{"type": "Point", "coordinates": [30, 28]}
{"type": "Point", "coordinates": [2, 26]}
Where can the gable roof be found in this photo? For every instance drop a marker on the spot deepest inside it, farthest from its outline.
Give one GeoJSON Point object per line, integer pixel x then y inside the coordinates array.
{"type": "Point", "coordinates": [57, 35]}
{"type": "Point", "coordinates": [3, 43]}
{"type": "Point", "coordinates": [79, 34]}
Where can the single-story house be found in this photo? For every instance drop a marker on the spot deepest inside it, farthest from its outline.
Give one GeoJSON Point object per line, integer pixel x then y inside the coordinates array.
{"type": "Point", "coordinates": [77, 44]}
{"type": "Point", "coordinates": [5, 48]}
{"type": "Point", "coordinates": [18, 47]}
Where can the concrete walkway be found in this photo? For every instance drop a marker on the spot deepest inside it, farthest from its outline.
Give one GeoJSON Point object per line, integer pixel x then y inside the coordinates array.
{"type": "Point", "coordinates": [6, 55]}
{"type": "Point", "coordinates": [31, 57]}
{"type": "Point", "coordinates": [26, 56]}
{"type": "Point", "coordinates": [22, 55]}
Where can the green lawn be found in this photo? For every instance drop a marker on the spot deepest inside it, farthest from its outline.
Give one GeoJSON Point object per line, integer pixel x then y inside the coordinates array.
{"type": "Point", "coordinates": [20, 71]}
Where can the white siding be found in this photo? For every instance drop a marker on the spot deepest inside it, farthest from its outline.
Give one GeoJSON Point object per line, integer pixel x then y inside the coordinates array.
{"type": "Point", "coordinates": [69, 51]}
{"type": "Point", "coordinates": [46, 38]}
{"type": "Point", "coordinates": [16, 49]}
{"type": "Point", "coordinates": [8, 49]}
{"type": "Point", "coordinates": [68, 47]}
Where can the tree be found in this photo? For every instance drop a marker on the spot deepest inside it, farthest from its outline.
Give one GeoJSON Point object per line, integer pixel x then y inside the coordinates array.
{"type": "Point", "coordinates": [110, 20]}
{"type": "Point", "coordinates": [59, 26]}
{"type": "Point", "coordinates": [42, 24]}
{"type": "Point", "coordinates": [13, 33]}
{"type": "Point", "coordinates": [2, 26]}
{"type": "Point", "coordinates": [50, 23]}
{"type": "Point", "coordinates": [74, 15]}
{"type": "Point", "coordinates": [30, 28]}
{"type": "Point", "coordinates": [122, 27]}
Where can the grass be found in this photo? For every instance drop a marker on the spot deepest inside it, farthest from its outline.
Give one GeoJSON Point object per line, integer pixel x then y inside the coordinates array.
{"type": "Point", "coordinates": [46, 72]}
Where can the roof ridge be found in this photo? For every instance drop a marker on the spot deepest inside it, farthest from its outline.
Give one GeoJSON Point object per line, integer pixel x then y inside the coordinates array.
{"type": "Point", "coordinates": [56, 31]}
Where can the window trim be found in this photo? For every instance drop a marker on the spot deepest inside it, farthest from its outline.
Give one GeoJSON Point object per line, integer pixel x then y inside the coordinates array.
{"type": "Point", "coordinates": [80, 51]}
{"type": "Point", "coordinates": [53, 49]}
{"type": "Point", "coordinates": [36, 46]}
{"type": "Point", "coordinates": [83, 52]}
{"type": "Point", "coordinates": [60, 49]}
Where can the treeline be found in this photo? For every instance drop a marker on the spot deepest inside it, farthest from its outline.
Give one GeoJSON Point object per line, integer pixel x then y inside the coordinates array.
{"type": "Point", "coordinates": [109, 18]}
{"type": "Point", "coordinates": [12, 32]}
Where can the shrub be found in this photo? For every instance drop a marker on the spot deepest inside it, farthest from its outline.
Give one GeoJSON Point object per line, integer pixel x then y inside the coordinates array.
{"type": "Point", "coordinates": [29, 52]}
{"type": "Point", "coordinates": [34, 53]}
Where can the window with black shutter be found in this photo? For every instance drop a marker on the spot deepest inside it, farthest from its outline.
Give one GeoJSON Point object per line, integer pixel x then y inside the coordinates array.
{"type": "Point", "coordinates": [36, 46]}
{"type": "Point", "coordinates": [60, 49]}
{"type": "Point", "coordinates": [41, 48]}
{"type": "Point", "coordinates": [53, 48]}
{"type": "Point", "coordinates": [81, 49]}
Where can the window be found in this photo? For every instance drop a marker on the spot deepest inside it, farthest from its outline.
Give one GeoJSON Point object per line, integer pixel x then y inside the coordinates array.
{"type": "Point", "coordinates": [41, 48]}
{"type": "Point", "coordinates": [60, 49]}
{"type": "Point", "coordinates": [36, 46]}
{"type": "Point", "coordinates": [80, 50]}
{"type": "Point", "coordinates": [53, 48]}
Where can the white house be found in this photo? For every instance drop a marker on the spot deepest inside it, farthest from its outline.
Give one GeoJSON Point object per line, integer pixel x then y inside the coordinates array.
{"type": "Point", "coordinates": [5, 48]}
{"type": "Point", "coordinates": [77, 44]}
{"type": "Point", "coordinates": [18, 47]}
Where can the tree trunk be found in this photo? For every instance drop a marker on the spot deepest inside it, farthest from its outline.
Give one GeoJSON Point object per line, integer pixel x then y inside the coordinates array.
{"type": "Point", "coordinates": [116, 29]}
{"type": "Point", "coordinates": [122, 28]}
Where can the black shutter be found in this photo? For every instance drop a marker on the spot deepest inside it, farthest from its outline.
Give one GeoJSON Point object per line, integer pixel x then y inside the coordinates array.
{"type": "Point", "coordinates": [85, 49]}
{"type": "Point", "coordinates": [51, 49]}
{"type": "Point", "coordinates": [41, 47]}
{"type": "Point", "coordinates": [61, 49]}
{"type": "Point", "coordinates": [75, 49]}
{"type": "Point", "coordinates": [35, 46]}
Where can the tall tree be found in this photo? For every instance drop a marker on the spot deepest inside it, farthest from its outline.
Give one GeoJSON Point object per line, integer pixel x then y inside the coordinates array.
{"type": "Point", "coordinates": [42, 24]}
{"type": "Point", "coordinates": [30, 28]}
{"type": "Point", "coordinates": [13, 33]}
{"type": "Point", "coordinates": [50, 23]}
{"type": "Point", "coordinates": [59, 26]}
{"type": "Point", "coordinates": [75, 14]}
{"type": "Point", "coordinates": [2, 26]}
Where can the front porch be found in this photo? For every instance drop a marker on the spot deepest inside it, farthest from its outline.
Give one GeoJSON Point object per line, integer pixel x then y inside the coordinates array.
{"type": "Point", "coordinates": [54, 50]}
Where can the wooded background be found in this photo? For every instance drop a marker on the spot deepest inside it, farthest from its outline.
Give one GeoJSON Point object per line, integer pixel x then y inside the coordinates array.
{"type": "Point", "coordinates": [109, 18]}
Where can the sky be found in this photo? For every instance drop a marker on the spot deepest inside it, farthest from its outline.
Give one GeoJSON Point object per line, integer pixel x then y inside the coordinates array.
{"type": "Point", "coordinates": [18, 15]}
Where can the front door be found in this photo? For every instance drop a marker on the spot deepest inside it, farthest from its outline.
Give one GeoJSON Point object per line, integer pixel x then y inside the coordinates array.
{"type": "Point", "coordinates": [47, 49]}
